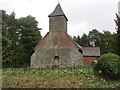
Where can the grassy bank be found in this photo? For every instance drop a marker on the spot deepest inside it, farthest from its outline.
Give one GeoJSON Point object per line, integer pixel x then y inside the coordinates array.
{"type": "Point", "coordinates": [55, 78]}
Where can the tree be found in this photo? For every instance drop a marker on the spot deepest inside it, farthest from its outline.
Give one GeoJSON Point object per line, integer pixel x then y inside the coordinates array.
{"type": "Point", "coordinates": [103, 40]}
{"type": "Point", "coordinates": [117, 21]}
{"type": "Point", "coordinates": [84, 40]}
{"type": "Point", "coordinates": [29, 35]}
{"type": "Point", "coordinates": [77, 39]}
{"type": "Point", "coordinates": [109, 39]}
{"type": "Point", "coordinates": [95, 38]}
{"type": "Point", "coordinates": [19, 37]}
{"type": "Point", "coordinates": [9, 36]}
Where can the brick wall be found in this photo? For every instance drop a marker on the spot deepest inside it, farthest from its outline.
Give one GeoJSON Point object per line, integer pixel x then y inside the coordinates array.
{"type": "Point", "coordinates": [88, 60]}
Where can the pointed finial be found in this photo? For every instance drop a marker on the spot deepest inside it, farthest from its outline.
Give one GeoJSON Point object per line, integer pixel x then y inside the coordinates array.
{"type": "Point", "coordinates": [58, 2]}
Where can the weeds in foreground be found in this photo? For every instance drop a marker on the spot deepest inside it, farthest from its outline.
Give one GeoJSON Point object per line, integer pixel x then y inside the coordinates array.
{"type": "Point", "coordinates": [48, 78]}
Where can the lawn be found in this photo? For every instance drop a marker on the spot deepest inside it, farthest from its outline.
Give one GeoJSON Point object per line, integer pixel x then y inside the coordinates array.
{"type": "Point", "coordinates": [55, 78]}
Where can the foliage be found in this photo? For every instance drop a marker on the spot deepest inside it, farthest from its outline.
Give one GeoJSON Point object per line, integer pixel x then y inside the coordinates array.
{"type": "Point", "coordinates": [9, 37]}
{"type": "Point", "coordinates": [109, 65]}
{"type": "Point", "coordinates": [117, 21]}
{"type": "Point", "coordinates": [19, 37]}
{"type": "Point", "coordinates": [83, 41]}
{"type": "Point", "coordinates": [105, 40]}
{"type": "Point", "coordinates": [81, 78]}
{"type": "Point", "coordinates": [29, 35]}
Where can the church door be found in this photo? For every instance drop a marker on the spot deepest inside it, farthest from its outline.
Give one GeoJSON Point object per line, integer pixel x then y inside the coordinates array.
{"type": "Point", "coordinates": [56, 61]}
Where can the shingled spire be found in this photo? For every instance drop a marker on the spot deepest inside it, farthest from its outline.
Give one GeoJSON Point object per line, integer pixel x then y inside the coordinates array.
{"type": "Point", "coordinates": [58, 12]}
{"type": "Point", "coordinates": [58, 20]}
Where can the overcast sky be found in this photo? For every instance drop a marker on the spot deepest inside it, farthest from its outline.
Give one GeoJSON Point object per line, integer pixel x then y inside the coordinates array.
{"type": "Point", "coordinates": [83, 15]}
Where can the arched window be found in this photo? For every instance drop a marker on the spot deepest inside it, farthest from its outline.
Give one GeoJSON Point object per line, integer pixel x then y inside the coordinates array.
{"type": "Point", "coordinates": [56, 61]}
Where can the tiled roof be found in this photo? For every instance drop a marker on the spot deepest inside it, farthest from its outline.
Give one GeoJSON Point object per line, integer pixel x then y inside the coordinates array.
{"type": "Point", "coordinates": [91, 51]}
{"type": "Point", "coordinates": [58, 39]}
{"type": "Point", "coordinates": [58, 12]}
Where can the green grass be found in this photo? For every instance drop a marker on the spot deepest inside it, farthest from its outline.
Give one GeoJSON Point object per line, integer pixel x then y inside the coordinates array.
{"type": "Point", "coordinates": [57, 78]}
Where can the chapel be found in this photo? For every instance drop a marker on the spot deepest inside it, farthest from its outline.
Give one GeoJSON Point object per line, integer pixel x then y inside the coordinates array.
{"type": "Point", "coordinates": [57, 49]}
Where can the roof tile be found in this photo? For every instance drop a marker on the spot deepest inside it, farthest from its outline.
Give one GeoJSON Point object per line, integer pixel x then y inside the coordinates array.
{"type": "Point", "coordinates": [91, 51]}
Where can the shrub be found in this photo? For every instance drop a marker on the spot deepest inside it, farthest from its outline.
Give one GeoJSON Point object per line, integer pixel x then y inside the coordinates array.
{"type": "Point", "coordinates": [94, 66]}
{"type": "Point", "coordinates": [109, 65]}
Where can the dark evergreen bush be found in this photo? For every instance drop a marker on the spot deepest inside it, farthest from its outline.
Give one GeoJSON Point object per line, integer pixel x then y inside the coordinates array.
{"type": "Point", "coordinates": [109, 65]}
